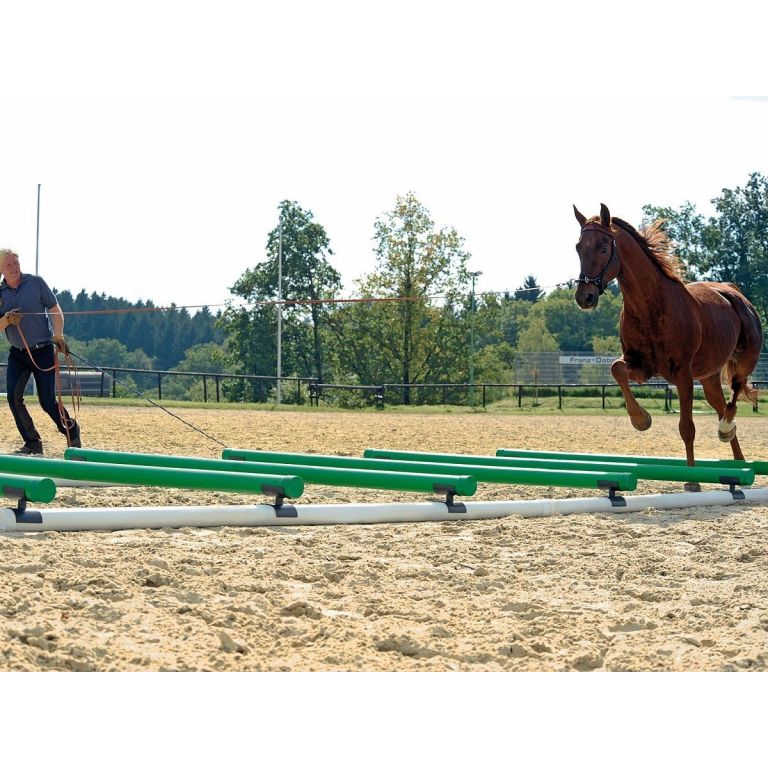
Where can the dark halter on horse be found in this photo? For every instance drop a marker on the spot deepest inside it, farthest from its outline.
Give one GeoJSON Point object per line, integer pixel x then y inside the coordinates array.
{"type": "Point", "coordinates": [598, 280]}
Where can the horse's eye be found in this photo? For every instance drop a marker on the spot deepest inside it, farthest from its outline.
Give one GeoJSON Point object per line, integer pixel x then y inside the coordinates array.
{"type": "Point", "coordinates": [604, 249]}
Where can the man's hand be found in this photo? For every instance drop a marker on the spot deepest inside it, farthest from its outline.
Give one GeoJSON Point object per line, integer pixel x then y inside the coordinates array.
{"type": "Point", "coordinates": [13, 317]}
{"type": "Point", "coordinates": [61, 344]}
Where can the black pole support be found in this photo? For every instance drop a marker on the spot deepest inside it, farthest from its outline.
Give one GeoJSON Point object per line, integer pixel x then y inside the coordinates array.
{"type": "Point", "coordinates": [281, 509]}
{"type": "Point", "coordinates": [14, 492]}
{"type": "Point", "coordinates": [612, 487]}
{"type": "Point", "coordinates": [450, 493]}
{"type": "Point", "coordinates": [21, 513]}
{"type": "Point", "coordinates": [732, 482]}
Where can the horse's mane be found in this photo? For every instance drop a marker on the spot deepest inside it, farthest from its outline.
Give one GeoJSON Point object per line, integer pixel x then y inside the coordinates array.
{"type": "Point", "coordinates": [657, 246]}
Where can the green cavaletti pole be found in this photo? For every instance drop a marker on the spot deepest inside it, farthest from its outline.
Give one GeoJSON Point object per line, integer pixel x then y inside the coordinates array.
{"type": "Point", "coordinates": [760, 467]}
{"type": "Point", "coordinates": [39, 489]}
{"type": "Point", "coordinates": [741, 475]}
{"type": "Point", "coordinates": [433, 482]}
{"type": "Point", "coordinates": [623, 481]}
{"type": "Point", "coordinates": [292, 486]}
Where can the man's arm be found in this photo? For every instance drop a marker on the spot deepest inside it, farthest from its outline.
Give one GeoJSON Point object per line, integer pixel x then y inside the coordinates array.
{"type": "Point", "coordinates": [57, 320]}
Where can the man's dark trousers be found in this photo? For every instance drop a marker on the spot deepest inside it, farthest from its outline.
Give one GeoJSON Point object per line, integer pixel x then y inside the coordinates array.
{"type": "Point", "coordinates": [20, 368]}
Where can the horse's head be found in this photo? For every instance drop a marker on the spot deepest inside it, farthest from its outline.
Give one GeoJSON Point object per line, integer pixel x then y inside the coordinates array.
{"type": "Point", "coordinates": [597, 255]}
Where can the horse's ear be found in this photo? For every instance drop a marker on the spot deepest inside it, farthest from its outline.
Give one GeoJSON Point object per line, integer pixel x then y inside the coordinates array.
{"type": "Point", "coordinates": [580, 217]}
{"type": "Point", "coordinates": [605, 215]}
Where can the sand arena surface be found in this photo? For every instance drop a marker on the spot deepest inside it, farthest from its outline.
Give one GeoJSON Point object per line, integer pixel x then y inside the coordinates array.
{"type": "Point", "coordinates": [657, 590]}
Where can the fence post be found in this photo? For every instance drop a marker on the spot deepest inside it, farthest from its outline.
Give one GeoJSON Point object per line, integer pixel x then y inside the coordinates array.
{"type": "Point", "coordinates": [217, 379]}
{"type": "Point", "coordinates": [205, 389]}
{"type": "Point", "coordinates": [114, 384]}
{"type": "Point", "coordinates": [559, 397]}
{"type": "Point", "coordinates": [159, 386]}
{"type": "Point", "coordinates": [519, 395]}
{"type": "Point", "coordinates": [483, 396]}
{"type": "Point", "coordinates": [603, 386]}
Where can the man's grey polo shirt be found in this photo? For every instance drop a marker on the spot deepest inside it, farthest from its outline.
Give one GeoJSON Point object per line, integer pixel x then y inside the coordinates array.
{"type": "Point", "coordinates": [31, 297]}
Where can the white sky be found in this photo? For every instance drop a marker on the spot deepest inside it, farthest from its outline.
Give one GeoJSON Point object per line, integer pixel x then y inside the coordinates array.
{"type": "Point", "coordinates": [164, 134]}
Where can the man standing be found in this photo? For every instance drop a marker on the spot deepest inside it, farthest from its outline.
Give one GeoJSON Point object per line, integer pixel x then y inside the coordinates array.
{"type": "Point", "coordinates": [27, 305]}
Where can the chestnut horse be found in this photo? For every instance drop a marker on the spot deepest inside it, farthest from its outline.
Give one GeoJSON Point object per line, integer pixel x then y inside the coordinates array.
{"type": "Point", "coordinates": [669, 328]}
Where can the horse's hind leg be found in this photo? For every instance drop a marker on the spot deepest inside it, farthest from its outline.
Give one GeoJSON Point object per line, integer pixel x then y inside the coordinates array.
{"type": "Point", "coordinates": [640, 418]}
{"type": "Point", "coordinates": [726, 430]}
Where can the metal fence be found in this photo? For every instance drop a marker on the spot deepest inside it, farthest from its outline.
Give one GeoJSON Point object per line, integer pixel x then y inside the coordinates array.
{"type": "Point", "coordinates": [555, 376]}
{"type": "Point", "coordinates": [605, 396]}
{"type": "Point", "coordinates": [122, 382]}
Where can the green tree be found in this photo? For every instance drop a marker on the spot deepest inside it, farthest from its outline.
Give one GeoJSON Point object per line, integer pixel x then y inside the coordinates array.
{"type": "Point", "coordinates": [573, 328]}
{"type": "Point", "coordinates": [251, 340]}
{"type": "Point", "coordinates": [209, 357]}
{"type": "Point", "coordinates": [529, 290]}
{"type": "Point", "coordinates": [404, 335]}
{"type": "Point", "coordinates": [607, 345]}
{"type": "Point", "coordinates": [362, 344]}
{"type": "Point", "coordinates": [536, 337]}
{"type": "Point", "coordinates": [163, 334]}
{"type": "Point", "coordinates": [537, 351]}
{"type": "Point", "coordinates": [513, 317]}
{"type": "Point", "coordinates": [308, 279]}
{"type": "Point", "coordinates": [110, 353]}
{"type": "Point", "coordinates": [495, 365]}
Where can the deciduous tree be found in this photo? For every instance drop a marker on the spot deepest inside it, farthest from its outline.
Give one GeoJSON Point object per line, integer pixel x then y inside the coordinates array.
{"type": "Point", "coordinates": [307, 279]}
{"type": "Point", "coordinates": [417, 335]}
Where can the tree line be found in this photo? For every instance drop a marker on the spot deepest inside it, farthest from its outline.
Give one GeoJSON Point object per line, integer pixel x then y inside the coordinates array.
{"type": "Point", "coordinates": [136, 332]}
{"type": "Point", "coordinates": [414, 319]}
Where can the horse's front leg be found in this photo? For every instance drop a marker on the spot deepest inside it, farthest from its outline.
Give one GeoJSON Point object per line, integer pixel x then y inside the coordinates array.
{"type": "Point", "coordinates": [684, 384]}
{"type": "Point", "coordinates": [640, 418]}
{"type": "Point", "coordinates": [687, 428]}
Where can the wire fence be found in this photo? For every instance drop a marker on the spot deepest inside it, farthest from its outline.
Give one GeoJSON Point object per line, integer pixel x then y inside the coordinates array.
{"type": "Point", "coordinates": [559, 367]}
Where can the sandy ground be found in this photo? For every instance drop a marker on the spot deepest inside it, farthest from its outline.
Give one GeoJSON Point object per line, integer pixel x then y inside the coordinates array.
{"type": "Point", "coordinates": [657, 590]}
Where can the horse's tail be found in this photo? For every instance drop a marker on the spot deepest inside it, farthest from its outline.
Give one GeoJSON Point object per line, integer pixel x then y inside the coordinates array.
{"type": "Point", "coordinates": [747, 352]}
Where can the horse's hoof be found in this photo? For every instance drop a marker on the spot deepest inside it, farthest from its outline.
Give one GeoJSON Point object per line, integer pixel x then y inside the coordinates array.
{"type": "Point", "coordinates": [726, 437]}
{"type": "Point", "coordinates": [642, 421]}
{"type": "Point", "coordinates": [692, 487]}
